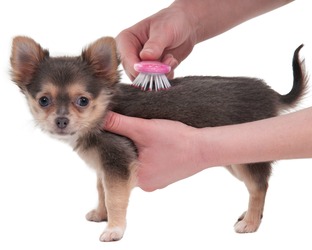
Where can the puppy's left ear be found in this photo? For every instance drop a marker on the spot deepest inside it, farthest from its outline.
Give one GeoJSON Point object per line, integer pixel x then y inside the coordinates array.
{"type": "Point", "coordinates": [102, 57]}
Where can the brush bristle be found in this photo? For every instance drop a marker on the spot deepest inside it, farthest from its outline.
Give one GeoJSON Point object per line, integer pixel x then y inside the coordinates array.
{"type": "Point", "coordinates": [150, 82]}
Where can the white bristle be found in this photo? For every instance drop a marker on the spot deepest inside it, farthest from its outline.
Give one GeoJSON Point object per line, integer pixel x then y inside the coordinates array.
{"type": "Point", "coordinates": [151, 81]}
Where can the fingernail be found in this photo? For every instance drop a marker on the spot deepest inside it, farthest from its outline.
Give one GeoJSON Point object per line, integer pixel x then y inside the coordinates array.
{"type": "Point", "coordinates": [147, 54]}
{"type": "Point", "coordinates": [148, 51]}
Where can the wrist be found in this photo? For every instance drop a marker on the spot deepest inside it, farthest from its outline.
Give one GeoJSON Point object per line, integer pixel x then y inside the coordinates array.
{"type": "Point", "coordinates": [205, 148]}
{"type": "Point", "coordinates": [194, 15]}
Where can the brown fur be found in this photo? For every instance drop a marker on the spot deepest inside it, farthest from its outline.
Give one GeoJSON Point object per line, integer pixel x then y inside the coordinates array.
{"type": "Point", "coordinates": [70, 96]}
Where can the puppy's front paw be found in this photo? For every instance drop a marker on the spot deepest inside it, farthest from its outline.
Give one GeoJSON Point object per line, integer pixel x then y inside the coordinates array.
{"type": "Point", "coordinates": [96, 215]}
{"type": "Point", "coordinates": [112, 234]}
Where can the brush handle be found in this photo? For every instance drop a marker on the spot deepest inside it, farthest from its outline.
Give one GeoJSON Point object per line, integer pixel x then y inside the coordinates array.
{"type": "Point", "coordinates": [152, 67]}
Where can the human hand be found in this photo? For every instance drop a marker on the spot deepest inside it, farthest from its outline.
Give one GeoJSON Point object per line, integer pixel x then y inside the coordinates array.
{"type": "Point", "coordinates": [167, 151]}
{"type": "Point", "coordinates": [170, 151]}
{"type": "Point", "coordinates": [170, 35]}
{"type": "Point", "coordinates": [167, 36]}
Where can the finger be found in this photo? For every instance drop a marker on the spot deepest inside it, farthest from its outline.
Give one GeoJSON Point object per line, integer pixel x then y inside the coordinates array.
{"type": "Point", "coordinates": [130, 127]}
{"type": "Point", "coordinates": [128, 48]}
{"type": "Point", "coordinates": [154, 47]}
{"type": "Point", "coordinates": [172, 62]}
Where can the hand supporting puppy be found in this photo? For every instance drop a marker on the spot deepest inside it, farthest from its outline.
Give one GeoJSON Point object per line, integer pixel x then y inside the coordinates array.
{"type": "Point", "coordinates": [170, 151]}
{"type": "Point", "coordinates": [163, 160]}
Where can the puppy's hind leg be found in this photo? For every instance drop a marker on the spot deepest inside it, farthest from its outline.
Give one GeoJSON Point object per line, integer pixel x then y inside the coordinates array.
{"type": "Point", "coordinates": [255, 176]}
{"type": "Point", "coordinates": [100, 213]}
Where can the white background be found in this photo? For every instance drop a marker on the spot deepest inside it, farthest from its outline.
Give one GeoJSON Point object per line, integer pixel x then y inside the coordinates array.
{"type": "Point", "coordinates": [45, 189]}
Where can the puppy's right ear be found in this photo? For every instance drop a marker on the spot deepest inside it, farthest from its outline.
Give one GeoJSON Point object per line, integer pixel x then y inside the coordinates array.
{"type": "Point", "coordinates": [25, 58]}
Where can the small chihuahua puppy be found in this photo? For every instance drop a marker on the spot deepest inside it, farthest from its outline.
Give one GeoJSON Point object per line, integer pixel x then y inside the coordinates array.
{"type": "Point", "coordinates": [70, 96]}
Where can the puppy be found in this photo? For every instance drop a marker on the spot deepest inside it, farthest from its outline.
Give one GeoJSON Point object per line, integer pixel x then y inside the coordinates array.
{"type": "Point", "coordinates": [70, 96]}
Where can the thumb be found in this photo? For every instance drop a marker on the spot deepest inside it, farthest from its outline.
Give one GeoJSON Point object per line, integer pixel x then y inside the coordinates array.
{"type": "Point", "coordinates": [122, 125]}
{"type": "Point", "coordinates": [154, 47]}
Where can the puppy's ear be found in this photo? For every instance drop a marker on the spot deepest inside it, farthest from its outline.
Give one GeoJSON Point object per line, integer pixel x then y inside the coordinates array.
{"type": "Point", "coordinates": [25, 58]}
{"type": "Point", "coordinates": [102, 57]}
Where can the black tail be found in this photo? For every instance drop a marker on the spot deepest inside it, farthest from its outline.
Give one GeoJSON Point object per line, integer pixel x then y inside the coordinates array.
{"type": "Point", "coordinates": [300, 81]}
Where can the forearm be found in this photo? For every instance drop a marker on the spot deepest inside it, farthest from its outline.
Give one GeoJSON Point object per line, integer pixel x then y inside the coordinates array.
{"type": "Point", "coordinates": [283, 137]}
{"type": "Point", "coordinates": [213, 17]}
{"type": "Point", "coordinates": [174, 151]}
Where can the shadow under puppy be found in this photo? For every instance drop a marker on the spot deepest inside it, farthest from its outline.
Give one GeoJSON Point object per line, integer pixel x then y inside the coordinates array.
{"type": "Point", "coordinates": [70, 96]}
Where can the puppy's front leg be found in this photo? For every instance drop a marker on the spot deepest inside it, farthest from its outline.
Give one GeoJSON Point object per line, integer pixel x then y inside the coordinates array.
{"type": "Point", "coordinates": [100, 213]}
{"type": "Point", "coordinates": [117, 193]}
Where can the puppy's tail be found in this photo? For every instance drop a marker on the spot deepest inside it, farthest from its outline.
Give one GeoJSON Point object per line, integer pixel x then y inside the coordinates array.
{"type": "Point", "coordinates": [300, 83]}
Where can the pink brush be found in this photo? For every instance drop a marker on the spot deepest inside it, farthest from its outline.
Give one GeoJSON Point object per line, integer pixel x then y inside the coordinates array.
{"type": "Point", "coordinates": [151, 76]}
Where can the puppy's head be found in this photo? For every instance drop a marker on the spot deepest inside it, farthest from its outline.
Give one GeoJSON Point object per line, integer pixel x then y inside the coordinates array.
{"type": "Point", "coordinates": [66, 95]}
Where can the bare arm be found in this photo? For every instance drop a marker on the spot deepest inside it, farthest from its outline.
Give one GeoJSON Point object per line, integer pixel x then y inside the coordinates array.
{"type": "Point", "coordinates": [213, 17]}
{"type": "Point", "coordinates": [184, 23]}
{"type": "Point", "coordinates": [174, 151]}
{"type": "Point", "coordinates": [283, 137]}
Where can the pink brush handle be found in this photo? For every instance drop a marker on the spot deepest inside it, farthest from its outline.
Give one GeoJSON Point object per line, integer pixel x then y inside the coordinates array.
{"type": "Point", "coordinates": [152, 67]}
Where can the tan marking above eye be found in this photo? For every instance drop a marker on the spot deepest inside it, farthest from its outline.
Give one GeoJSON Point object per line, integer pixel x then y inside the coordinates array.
{"type": "Point", "coordinates": [48, 89]}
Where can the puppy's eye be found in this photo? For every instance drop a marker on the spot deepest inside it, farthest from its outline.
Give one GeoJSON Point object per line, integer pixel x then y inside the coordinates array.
{"type": "Point", "coordinates": [82, 101]}
{"type": "Point", "coordinates": [44, 101]}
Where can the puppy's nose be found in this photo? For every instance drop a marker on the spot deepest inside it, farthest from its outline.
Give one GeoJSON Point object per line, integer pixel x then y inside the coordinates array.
{"type": "Point", "coordinates": [61, 122]}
